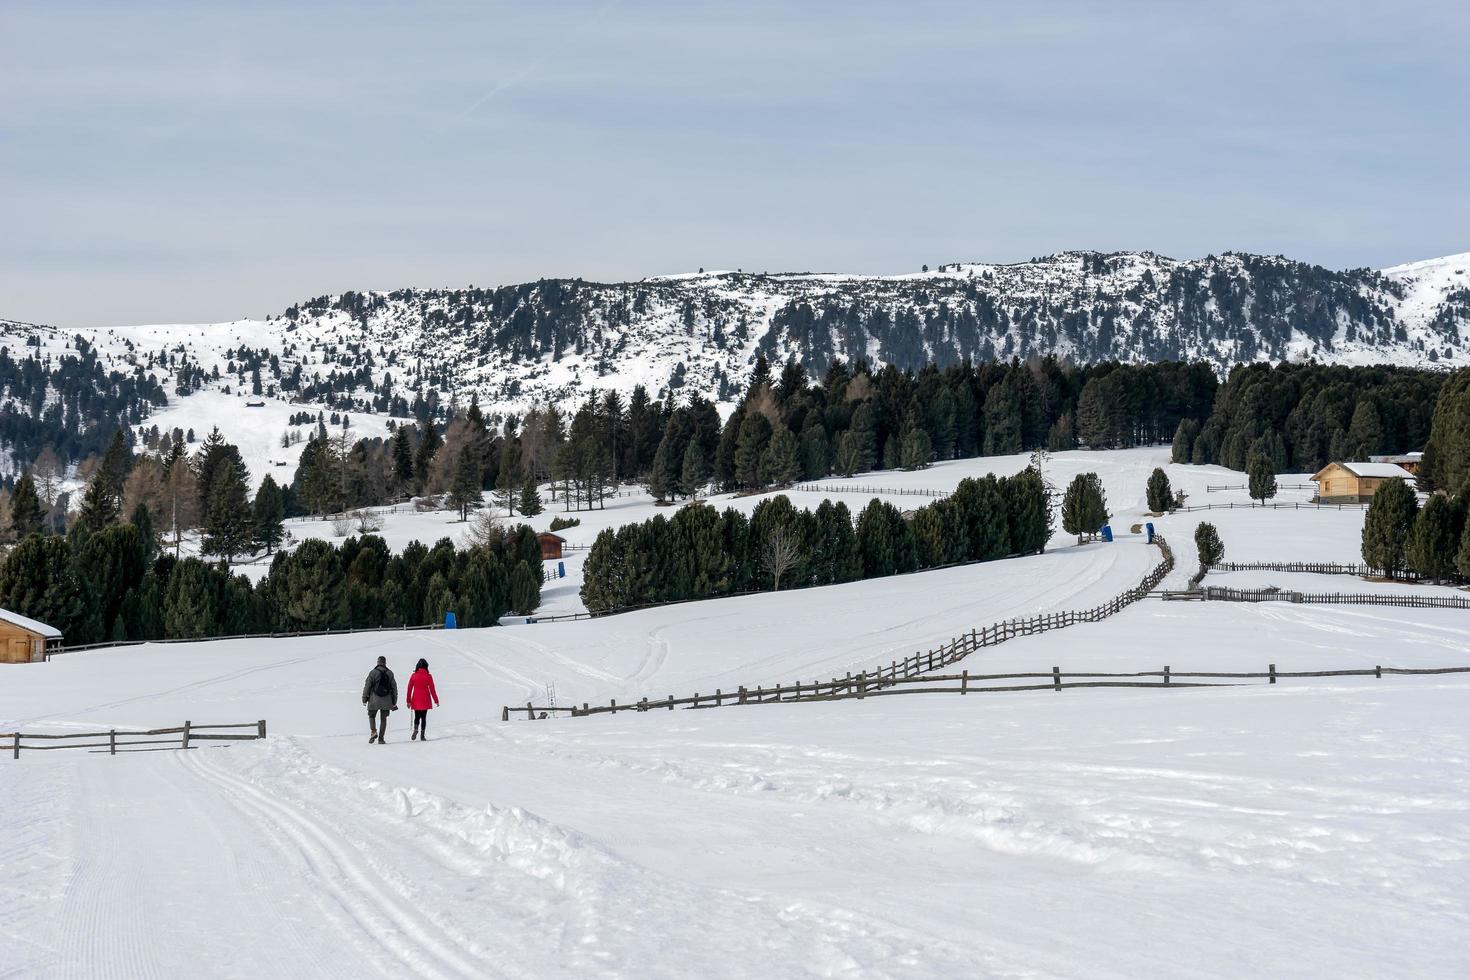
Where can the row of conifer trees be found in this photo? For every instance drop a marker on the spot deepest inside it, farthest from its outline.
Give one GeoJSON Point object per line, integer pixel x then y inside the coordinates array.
{"type": "Point", "coordinates": [113, 585]}
{"type": "Point", "coordinates": [700, 553]}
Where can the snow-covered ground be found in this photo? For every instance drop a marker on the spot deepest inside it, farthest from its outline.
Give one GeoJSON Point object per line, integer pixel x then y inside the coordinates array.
{"type": "Point", "coordinates": [1312, 828]}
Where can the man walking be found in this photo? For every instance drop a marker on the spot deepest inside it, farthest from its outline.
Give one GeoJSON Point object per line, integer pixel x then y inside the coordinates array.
{"type": "Point", "coordinates": [380, 694]}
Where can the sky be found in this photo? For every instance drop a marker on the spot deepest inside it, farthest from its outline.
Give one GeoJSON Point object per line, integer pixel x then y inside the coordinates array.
{"type": "Point", "coordinates": [205, 161]}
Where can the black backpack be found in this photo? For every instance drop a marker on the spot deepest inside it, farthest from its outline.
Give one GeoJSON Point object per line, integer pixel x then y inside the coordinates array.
{"type": "Point", "coordinates": [384, 687]}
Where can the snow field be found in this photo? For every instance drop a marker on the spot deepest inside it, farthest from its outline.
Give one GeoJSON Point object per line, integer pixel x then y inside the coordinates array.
{"type": "Point", "coordinates": [1313, 828]}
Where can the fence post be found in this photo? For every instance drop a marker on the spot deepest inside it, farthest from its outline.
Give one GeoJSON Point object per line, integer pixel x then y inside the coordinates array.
{"type": "Point", "coordinates": [863, 684]}
{"type": "Point", "coordinates": [1378, 671]}
{"type": "Point", "coordinates": [671, 702]}
{"type": "Point", "coordinates": [112, 742]}
{"type": "Point", "coordinates": [1273, 673]}
{"type": "Point", "coordinates": [186, 734]}
{"type": "Point", "coordinates": [530, 712]}
{"type": "Point", "coordinates": [1056, 678]}
{"type": "Point", "coordinates": [742, 693]}
{"type": "Point", "coordinates": [613, 705]}
{"type": "Point", "coordinates": [505, 713]}
{"type": "Point", "coordinates": [1166, 673]}
{"type": "Point", "coordinates": [718, 697]}
{"type": "Point", "coordinates": [965, 681]}
{"type": "Point", "coordinates": [260, 728]}
{"type": "Point", "coordinates": [16, 736]}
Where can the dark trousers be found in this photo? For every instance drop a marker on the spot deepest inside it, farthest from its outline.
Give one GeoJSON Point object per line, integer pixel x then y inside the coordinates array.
{"type": "Point", "coordinates": [419, 720]}
{"type": "Point", "coordinates": [373, 722]}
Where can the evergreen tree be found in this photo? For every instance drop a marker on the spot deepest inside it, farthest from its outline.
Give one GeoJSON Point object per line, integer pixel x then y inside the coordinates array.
{"type": "Point", "coordinates": [1184, 436]}
{"type": "Point", "coordinates": [755, 433]}
{"type": "Point", "coordinates": [525, 589]}
{"type": "Point", "coordinates": [1261, 477]}
{"type": "Point", "coordinates": [875, 540]}
{"type": "Point", "coordinates": [694, 473]}
{"type": "Point", "coordinates": [308, 588]}
{"type": "Point", "coordinates": [25, 508]}
{"type": "Point", "coordinates": [227, 530]}
{"type": "Point", "coordinates": [780, 464]}
{"type": "Point", "coordinates": [1029, 512]}
{"type": "Point", "coordinates": [530, 498]}
{"type": "Point", "coordinates": [849, 457]}
{"type": "Point", "coordinates": [464, 490]}
{"type": "Point", "coordinates": [423, 457]}
{"type": "Point", "coordinates": [190, 602]}
{"type": "Point", "coordinates": [37, 580]}
{"type": "Point", "coordinates": [99, 505]}
{"type": "Point", "coordinates": [1084, 507]}
{"type": "Point", "coordinates": [1434, 540]}
{"type": "Point", "coordinates": [142, 519]}
{"type": "Point", "coordinates": [268, 515]}
{"type": "Point", "coordinates": [1160, 494]}
{"type": "Point", "coordinates": [1207, 541]}
{"type": "Point", "coordinates": [663, 475]}
{"type": "Point", "coordinates": [916, 451]}
{"type": "Point", "coordinates": [1387, 525]}
{"type": "Point", "coordinates": [1063, 435]}
{"type": "Point", "coordinates": [402, 457]}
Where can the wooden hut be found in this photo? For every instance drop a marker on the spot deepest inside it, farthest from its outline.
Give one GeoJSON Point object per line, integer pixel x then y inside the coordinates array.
{"type": "Point", "coordinates": [1355, 483]}
{"type": "Point", "coordinates": [550, 545]}
{"type": "Point", "coordinates": [24, 640]}
{"type": "Point", "coordinates": [1409, 461]}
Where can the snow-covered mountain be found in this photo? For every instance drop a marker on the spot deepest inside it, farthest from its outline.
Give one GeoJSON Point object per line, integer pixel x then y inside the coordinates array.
{"type": "Point", "coordinates": [555, 340]}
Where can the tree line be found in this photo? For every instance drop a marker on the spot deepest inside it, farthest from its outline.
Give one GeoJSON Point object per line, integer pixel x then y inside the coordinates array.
{"type": "Point", "coordinates": [702, 553]}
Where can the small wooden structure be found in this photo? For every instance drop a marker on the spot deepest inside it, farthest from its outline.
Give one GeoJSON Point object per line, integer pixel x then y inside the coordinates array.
{"type": "Point", "coordinates": [1354, 483]}
{"type": "Point", "coordinates": [550, 545]}
{"type": "Point", "coordinates": [24, 640]}
{"type": "Point", "coordinates": [1409, 461]}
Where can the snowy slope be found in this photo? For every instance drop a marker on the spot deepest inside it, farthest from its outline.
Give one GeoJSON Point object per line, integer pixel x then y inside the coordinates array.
{"type": "Point", "coordinates": [557, 341]}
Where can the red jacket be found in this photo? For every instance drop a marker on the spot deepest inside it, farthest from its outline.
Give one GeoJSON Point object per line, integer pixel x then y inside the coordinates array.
{"type": "Point", "coordinates": [420, 690]}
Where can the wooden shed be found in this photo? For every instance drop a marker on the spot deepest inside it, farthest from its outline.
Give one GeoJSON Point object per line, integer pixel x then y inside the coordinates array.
{"type": "Point", "coordinates": [1355, 483]}
{"type": "Point", "coordinates": [1409, 461]}
{"type": "Point", "coordinates": [24, 640]}
{"type": "Point", "coordinates": [550, 545]}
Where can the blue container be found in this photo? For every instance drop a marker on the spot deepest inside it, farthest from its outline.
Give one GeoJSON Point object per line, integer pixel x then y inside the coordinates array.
{"type": "Point", "coordinates": [449, 622]}
{"type": "Point", "coordinates": [1107, 533]}
{"type": "Point", "coordinates": [1149, 527]}
{"type": "Point", "coordinates": [561, 569]}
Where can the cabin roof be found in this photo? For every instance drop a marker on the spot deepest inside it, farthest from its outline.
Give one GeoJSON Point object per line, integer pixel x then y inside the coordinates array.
{"type": "Point", "coordinates": [32, 625]}
{"type": "Point", "coordinates": [1371, 470]}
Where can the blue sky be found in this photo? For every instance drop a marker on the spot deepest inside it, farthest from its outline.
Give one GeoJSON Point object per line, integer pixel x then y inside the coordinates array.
{"type": "Point", "coordinates": [204, 161]}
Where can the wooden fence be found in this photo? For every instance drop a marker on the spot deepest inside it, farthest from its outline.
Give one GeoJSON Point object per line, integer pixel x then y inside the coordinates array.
{"type": "Point", "coordinates": [153, 740]}
{"type": "Point", "coordinates": [918, 665]}
{"type": "Point", "coordinates": [1316, 567]}
{"type": "Point", "coordinates": [1219, 594]}
{"type": "Point", "coordinates": [863, 686]}
{"type": "Point", "coordinates": [1279, 486]}
{"type": "Point", "coordinates": [1282, 506]}
{"type": "Point", "coordinates": [854, 488]}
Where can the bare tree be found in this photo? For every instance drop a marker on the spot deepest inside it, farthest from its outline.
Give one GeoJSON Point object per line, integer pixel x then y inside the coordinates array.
{"type": "Point", "coordinates": [485, 529]}
{"type": "Point", "coordinates": [48, 474]}
{"type": "Point", "coordinates": [779, 553]}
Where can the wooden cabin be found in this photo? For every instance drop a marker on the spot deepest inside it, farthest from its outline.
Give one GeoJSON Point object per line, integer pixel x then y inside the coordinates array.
{"type": "Point", "coordinates": [24, 640]}
{"type": "Point", "coordinates": [1355, 483]}
{"type": "Point", "coordinates": [1409, 461]}
{"type": "Point", "coordinates": [550, 545]}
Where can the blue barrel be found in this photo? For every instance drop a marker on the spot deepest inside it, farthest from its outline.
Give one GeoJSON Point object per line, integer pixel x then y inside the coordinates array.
{"type": "Point", "coordinates": [1149, 527]}
{"type": "Point", "coordinates": [449, 622]}
{"type": "Point", "coordinates": [1107, 533]}
{"type": "Point", "coordinates": [561, 569]}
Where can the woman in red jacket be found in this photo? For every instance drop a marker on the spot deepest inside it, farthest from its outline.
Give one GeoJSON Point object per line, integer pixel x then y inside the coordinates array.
{"type": "Point", "coordinates": [420, 693]}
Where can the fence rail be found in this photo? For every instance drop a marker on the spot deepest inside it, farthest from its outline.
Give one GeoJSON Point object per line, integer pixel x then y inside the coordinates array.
{"type": "Point", "coordinates": [862, 686]}
{"type": "Point", "coordinates": [1279, 486]}
{"type": "Point", "coordinates": [855, 488]}
{"type": "Point", "coordinates": [114, 741]}
{"type": "Point", "coordinates": [919, 664]}
{"type": "Point", "coordinates": [1316, 567]}
{"type": "Point", "coordinates": [1253, 505]}
{"type": "Point", "coordinates": [1217, 593]}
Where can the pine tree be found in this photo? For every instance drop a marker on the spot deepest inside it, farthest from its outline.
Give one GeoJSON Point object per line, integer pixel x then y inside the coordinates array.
{"type": "Point", "coordinates": [663, 475]}
{"type": "Point", "coordinates": [25, 508]}
{"type": "Point", "coordinates": [1160, 494]}
{"type": "Point", "coordinates": [1387, 525]}
{"type": "Point", "coordinates": [37, 579]}
{"type": "Point", "coordinates": [875, 543]}
{"type": "Point", "coordinates": [423, 458]}
{"type": "Point", "coordinates": [1207, 541]}
{"type": "Point", "coordinates": [525, 589]}
{"type": "Point", "coordinates": [1082, 506]}
{"type": "Point", "coordinates": [99, 505]}
{"type": "Point", "coordinates": [402, 457]}
{"type": "Point", "coordinates": [1063, 435]}
{"type": "Point", "coordinates": [779, 464]}
{"type": "Point", "coordinates": [1433, 541]}
{"type": "Point", "coordinates": [916, 452]}
{"type": "Point", "coordinates": [694, 473]}
{"type": "Point", "coordinates": [530, 498]}
{"type": "Point", "coordinates": [227, 530]}
{"type": "Point", "coordinates": [464, 488]}
{"type": "Point", "coordinates": [268, 515]}
{"type": "Point", "coordinates": [190, 602]}
{"type": "Point", "coordinates": [849, 457]}
{"type": "Point", "coordinates": [755, 433]}
{"type": "Point", "coordinates": [1028, 512]}
{"type": "Point", "coordinates": [1261, 475]}
{"type": "Point", "coordinates": [142, 519]}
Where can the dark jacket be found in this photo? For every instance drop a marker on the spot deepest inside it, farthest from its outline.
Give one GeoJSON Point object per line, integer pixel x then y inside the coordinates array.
{"type": "Point", "coordinates": [375, 702]}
